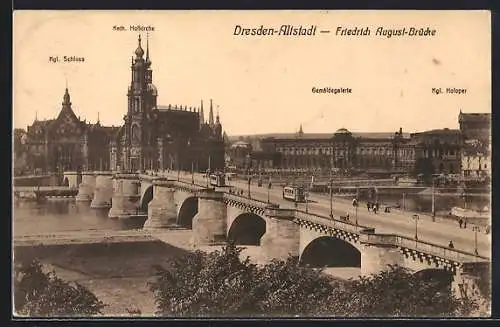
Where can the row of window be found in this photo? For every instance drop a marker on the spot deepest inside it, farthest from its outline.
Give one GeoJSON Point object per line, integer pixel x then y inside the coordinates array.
{"type": "Point", "coordinates": [341, 151]}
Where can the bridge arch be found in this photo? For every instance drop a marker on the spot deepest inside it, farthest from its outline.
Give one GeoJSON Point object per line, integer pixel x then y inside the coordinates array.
{"type": "Point", "coordinates": [443, 278]}
{"type": "Point", "coordinates": [187, 210]}
{"type": "Point", "coordinates": [146, 197]}
{"type": "Point", "coordinates": [329, 251]}
{"type": "Point", "coordinates": [247, 229]}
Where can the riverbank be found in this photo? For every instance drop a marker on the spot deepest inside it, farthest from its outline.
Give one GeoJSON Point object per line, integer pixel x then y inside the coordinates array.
{"type": "Point", "coordinates": [117, 273]}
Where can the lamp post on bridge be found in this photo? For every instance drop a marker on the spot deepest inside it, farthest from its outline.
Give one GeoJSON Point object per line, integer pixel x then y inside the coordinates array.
{"type": "Point", "coordinates": [249, 182]}
{"type": "Point", "coordinates": [404, 201]}
{"type": "Point", "coordinates": [269, 190]}
{"type": "Point", "coordinates": [433, 199]}
{"type": "Point", "coordinates": [416, 218]}
{"type": "Point", "coordinates": [192, 172]}
{"type": "Point", "coordinates": [307, 199]}
{"type": "Point", "coordinates": [356, 204]}
{"type": "Point", "coordinates": [331, 197]}
{"type": "Point", "coordinates": [475, 229]}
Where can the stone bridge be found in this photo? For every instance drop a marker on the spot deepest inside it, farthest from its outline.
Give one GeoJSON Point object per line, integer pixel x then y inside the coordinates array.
{"type": "Point", "coordinates": [217, 216]}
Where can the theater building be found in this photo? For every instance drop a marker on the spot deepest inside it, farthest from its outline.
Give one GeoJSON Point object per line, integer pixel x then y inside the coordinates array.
{"type": "Point", "coordinates": [476, 148]}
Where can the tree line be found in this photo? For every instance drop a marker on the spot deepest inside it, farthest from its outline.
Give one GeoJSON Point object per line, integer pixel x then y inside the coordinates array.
{"type": "Point", "coordinates": [221, 284]}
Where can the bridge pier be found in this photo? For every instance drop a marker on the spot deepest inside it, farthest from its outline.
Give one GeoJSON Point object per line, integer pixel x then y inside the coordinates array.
{"type": "Point", "coordinates": [73, 178]}
{"type": "Point", "coordinates": [378, 252]}
{"type": "Point", "coordinates": [126, 195]}
{"type": "Point", "coordinates": [162, 209]}
{"type": "Point", "coordinates": [209, 224]}
{"type": "Point", "coordinates": [282, 237]}
{"type": "Point", "coordinates": [86, 188]}
{"type": "Point", "coordinates": [103, 191]}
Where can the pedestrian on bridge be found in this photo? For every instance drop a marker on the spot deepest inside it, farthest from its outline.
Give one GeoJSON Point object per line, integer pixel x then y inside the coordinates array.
{"type": "Point", "coordinates": [460, 222]}
{"type": "Point", "coordinates": [450, 245]}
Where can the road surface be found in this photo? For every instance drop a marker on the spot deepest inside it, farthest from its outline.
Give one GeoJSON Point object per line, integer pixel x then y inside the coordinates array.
{"type": "Point", "coordinates": [439, 232]}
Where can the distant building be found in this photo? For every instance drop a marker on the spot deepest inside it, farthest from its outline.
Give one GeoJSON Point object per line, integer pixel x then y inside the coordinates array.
{"type": "Point", "coordinates": [476, 147]}
{"type": "Point", "coordinates": [164, 137]}
{"type": "Point", "coordinates": [342, 150]}
{"type": "Point", "coordinates": [441, 147]}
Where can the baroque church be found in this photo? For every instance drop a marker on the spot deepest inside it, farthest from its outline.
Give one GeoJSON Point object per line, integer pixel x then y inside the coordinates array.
{"type": "Point", "coordinates": [151, 137]}
{"type": "Point", "coordinates": [163, 137]}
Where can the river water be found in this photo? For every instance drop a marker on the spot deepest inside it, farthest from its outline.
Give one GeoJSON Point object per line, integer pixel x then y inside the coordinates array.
{"type": "Point", "coordinates": [67, 215]}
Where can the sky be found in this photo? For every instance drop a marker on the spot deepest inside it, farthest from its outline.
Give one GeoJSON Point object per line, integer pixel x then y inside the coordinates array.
{"type": "Point", "coordinates": [259, 84]}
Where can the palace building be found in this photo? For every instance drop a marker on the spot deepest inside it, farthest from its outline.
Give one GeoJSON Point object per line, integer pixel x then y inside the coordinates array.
{"type": "Point", "coordinates": [65, 143]}
{"type": "Point", "coordinates": [151, 137]}
{"type": "Point", "coordinates": [342, 150]}
{"type": "Point", "coordinates": [163, 137]}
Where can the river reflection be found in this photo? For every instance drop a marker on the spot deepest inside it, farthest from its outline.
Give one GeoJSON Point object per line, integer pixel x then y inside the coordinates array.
{"type": "Point", "coordinates": [65, 215]}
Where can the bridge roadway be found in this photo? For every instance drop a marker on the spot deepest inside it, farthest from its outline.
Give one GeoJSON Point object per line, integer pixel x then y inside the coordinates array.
{"type": "Point", "coordinates": [396, 222]}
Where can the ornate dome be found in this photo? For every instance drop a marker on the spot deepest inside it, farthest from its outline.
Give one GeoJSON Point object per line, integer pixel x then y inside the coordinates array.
{"type": "Point", "coordinates": [343, 131]}
{"type": "Point", "coordinates": [139, 51]}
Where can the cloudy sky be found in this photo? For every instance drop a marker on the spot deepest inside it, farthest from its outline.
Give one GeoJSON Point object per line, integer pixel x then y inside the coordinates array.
{"type": "Point", "coordinates": [261, 84]}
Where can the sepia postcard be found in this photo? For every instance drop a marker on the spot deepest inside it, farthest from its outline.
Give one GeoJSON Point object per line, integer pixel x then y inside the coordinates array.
{"type": "Point", "coordinates": [260, 164]}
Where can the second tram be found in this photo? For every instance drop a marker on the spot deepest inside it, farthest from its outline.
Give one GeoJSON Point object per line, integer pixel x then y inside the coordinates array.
{"type": "Point", "coordinates": [294, 193]}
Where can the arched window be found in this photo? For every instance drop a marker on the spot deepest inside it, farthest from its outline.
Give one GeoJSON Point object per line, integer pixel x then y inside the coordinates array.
{"type": "Point", "coordinates": [135, 133]}
{"type": "Point", "coordinates": [136, 105]}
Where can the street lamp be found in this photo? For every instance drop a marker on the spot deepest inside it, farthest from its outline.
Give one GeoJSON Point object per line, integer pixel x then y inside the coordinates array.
{"type": "Point", "coordinates": [475, 229]}
{"type": "Point", "coordinates": [331, 198]}
{"type": "Point", "coordinates": [307, 199]}
{"type": "Point", "coordinates": [249, 181]}
{"type": "Point", "coordinates": [433, 199]}
{"type": "Point", "coordinates": [192, 172]}
{"type": "Point", "coordinates": [269, 190]}
{"type": "Point", "coordinates": [416, 218]}
{"type": "Point", "coordinates": [404, 201]}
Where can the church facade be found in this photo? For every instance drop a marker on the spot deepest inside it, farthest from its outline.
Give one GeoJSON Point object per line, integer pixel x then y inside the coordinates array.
{"type": "Point", "coordinates": [163, 137]}
{"type": "Point", "coordinates": [151, 137]}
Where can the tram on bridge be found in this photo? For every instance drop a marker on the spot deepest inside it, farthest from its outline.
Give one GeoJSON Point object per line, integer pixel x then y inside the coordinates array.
{"type": "Point", "coordinates": [217, 180]}
{"type": "Point", "coordinates": [294, 193]}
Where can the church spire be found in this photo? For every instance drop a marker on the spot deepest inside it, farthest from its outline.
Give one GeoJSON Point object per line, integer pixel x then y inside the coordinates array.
{"type": "Point", "coordinates": [301, 132]}
{"type": "Point", "coordinates": [202, 115]}
{"type": "Point", "coordinates": [211, 114]}
{"type": "Point", "coordinates": [148, 61]}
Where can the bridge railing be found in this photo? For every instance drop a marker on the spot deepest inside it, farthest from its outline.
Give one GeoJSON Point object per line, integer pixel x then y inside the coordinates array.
{"type": "Point", "coordinates": [330, 222]}
{"type": "Point", "coordinates": [438, 250]}
{"type": "Point", "coordinates": [194, 187]}
{"type": "Point", "coordinates": [40, 188]}
{"type": "Point", "coordinates": [368, 235]}
{"type": "Point", "coordinates": [248, 201]}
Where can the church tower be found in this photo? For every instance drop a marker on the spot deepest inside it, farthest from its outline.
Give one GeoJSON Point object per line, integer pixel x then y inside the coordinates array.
{"type": "Point", "coordinates": [142, 95]}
